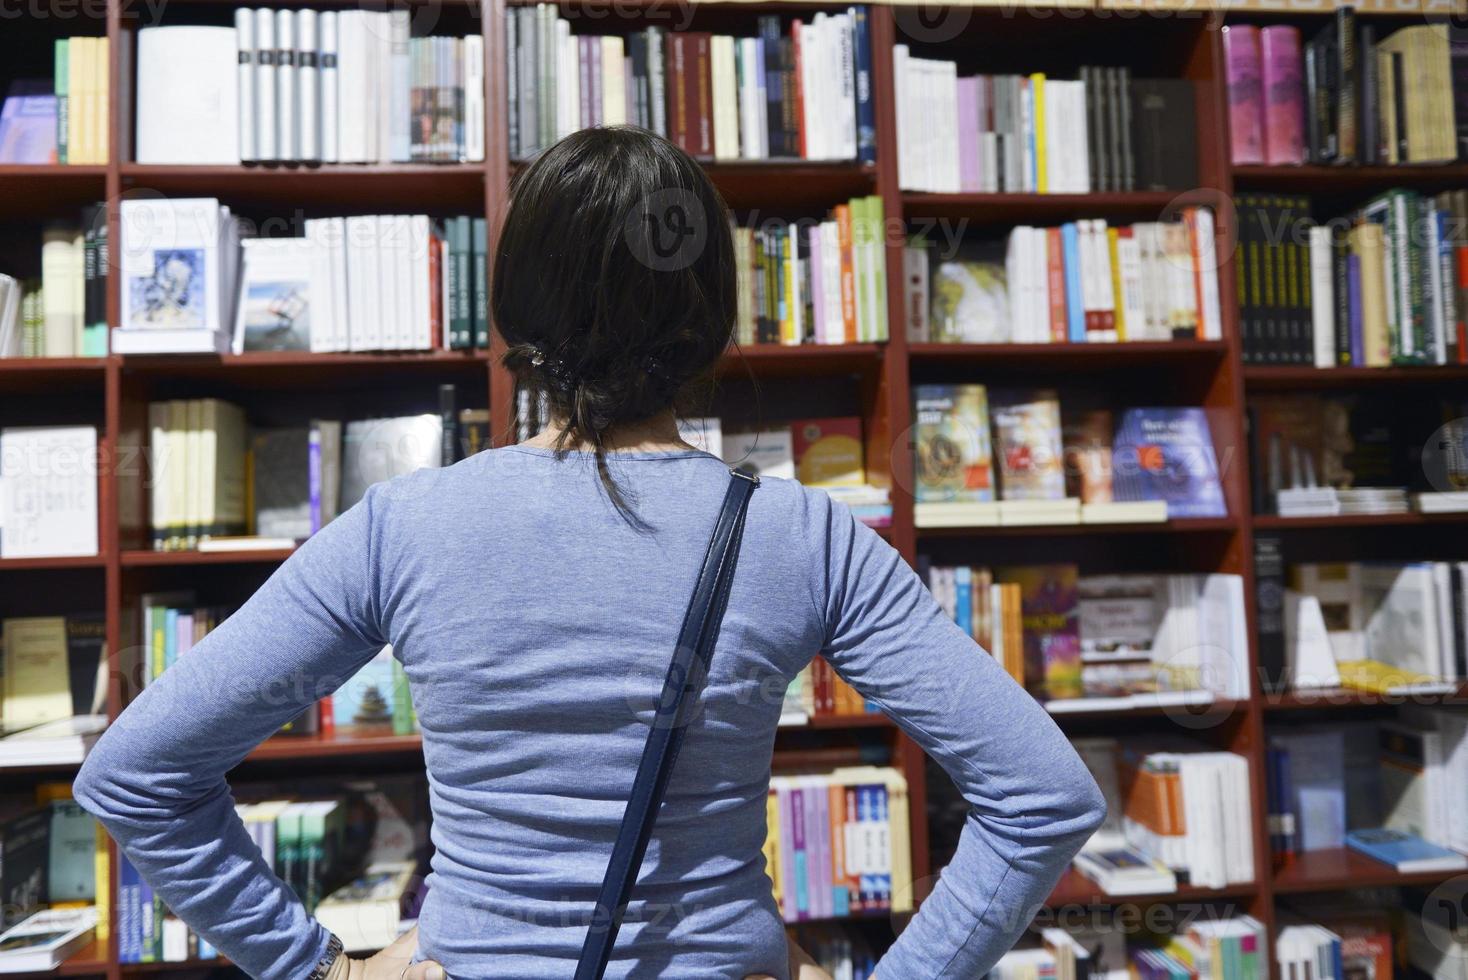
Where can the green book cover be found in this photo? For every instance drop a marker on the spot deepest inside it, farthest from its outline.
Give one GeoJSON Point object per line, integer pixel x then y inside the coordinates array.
{"type": "Point", "coordinates": [320, 830]}
{"type": "Point", "coordinates": [879, 269]}
{"type": "Point", "coordinates": [404, 719]}
{"type": "Point", "coordinates": [63, 100]}
{"type": "Point", "coordinates": [73, 871]}
{"type": "Point", "coordinates": [288, 847]}
{"type": "Point", "coordinates": [460, 325]}
{"type": "Point", "coordinates": [479, 278]}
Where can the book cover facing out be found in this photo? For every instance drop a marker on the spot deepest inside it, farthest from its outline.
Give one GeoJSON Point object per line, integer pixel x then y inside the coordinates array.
{"type": "Point", "coordinates": [1027, 436]}
{"type": "Point", "coordinates": [828, 452]}
{"type": "Point", "coordinates": [1050, 612]}
{"type": "Point", "coordinates": [1167, 454]}
{"type": "Point", "coordinates": [953, 456]}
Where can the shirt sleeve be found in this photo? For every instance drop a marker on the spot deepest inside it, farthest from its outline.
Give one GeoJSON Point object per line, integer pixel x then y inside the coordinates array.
{"type": "Point", "coordinates": [1032, 803]}
{"type": "Point", "coordinates": [156, 779]}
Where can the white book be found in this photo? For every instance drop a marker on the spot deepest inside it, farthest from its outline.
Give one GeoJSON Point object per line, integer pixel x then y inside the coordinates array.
{"type": "Point", "coordinates": [400, 110]}
{"type": "Point", "coordinates": [351, 88]}
{"type": "Point", "coordinates": [173, 273]}
{"type": "Point", "coordinates": [330, 102]}
{"type": "Point", "coordinates": [421, 308]}
{"type": "Point", "coordinates": [286, 115]}
{"type": "Point", "coordinates": [750, 127]}
{"type": "Point", "coordinates": [1322, 309]}
{"type": "Point", "coordinates": [725, 95]}
{"type": "Point", "coordinates": [389, 280]}
{"type": "Point", "coordinates": [474, 98]}
{"type": "Point", "coordinates": [614, 95]}
{"type": "Point", "coordinates": [1207, 268]}
{"type": "Point", "coordinates": [308, 85]}
{"type": "Point", "coordinates": [187, 96]}
{"type": "Point", "coordinates": [405, 270]}
{"type": "Point", "coordinates": [946, 75]}
{"type": "Point", "coordinates": [568, 82]}
{"type": "Point", "coordinates": [48, 491]}
{"type": "Point", "coordinates": [61, 301]}
{"type": "Point", "coordinates": [845, 107]}
{"type": "Point", "coordinates": [244, 29]}
{"type": "Point", "coordinates": [43, 941]}
{"type": "Point", "coordinates": [1106, 300]}
{"type": "Point", "coordinates": [361, 253]}
{"type": "Point", "coordinates": [902, 84]}
{"type": "Point", "coordinates": [285, 296]}
{"type": "Point", "coordinates": [810, 111]}
{"type": "Point", "coordinates": [324, 300]}
{"type": "Point", "coordinates": [267, 107]}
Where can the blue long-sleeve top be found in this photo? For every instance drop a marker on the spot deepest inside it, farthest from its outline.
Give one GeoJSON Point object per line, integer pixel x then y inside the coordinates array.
{"type": "Point", "coordinates": [535, 625]}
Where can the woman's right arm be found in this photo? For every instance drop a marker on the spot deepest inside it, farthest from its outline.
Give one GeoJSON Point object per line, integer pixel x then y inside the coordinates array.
{"type": "Point", "coordinates": [1032, 801]}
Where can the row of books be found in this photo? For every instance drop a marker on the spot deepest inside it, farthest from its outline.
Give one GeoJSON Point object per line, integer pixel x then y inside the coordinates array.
{"type": "Point", "coordinates": [64, 313]}
{"type": "Point", "coordinates": [214, 478]}
{"type": "Point", "coordinates": [1173, 811]}
{"type": "Point", "coordinates": [364, 282]}
{"type": "Point", "coordinates": [1344, 96]}
{"type": "Point", "coordinates": [1105, 131]}
{"type": "Point", "coordinates": [55, 668]}
{"type": "Point", "coordinates": [1053, 466]}
{"type": "Point", "coordinates": [838, 843]}
{"type": "Point", "coordinates": [819, 692]}
{"type": "Point", "coordinates": [814, 282]}
{"type": "Point", "coordinates": [1103, 641]}
{"type": "Point", "coordinates": [147, 931]}
{"type": "Point", "coordinates": [61, 119]}
{"type": "Point", "coordinates": [55, 853]}
{"type": "Point", "coordinates": [1383, 285]}
{"type": "Point", "coordinates": [1201, 948]}
{"type": "Point", "coordinates": [838, 950]}
{"type": "Point", "coordinates": [307, 86]}
{"type": "Point", "coordinates": [802, 90]}
{"type": "Point", "coordinates": [1082, 282]}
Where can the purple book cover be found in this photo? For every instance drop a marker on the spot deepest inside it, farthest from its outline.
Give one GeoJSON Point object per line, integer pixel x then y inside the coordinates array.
{"type": "Point", "coordinates": [28, 123]}
{"type": "Point", "coordinates": [787, 854]}
{"type": "Point", "coordinates": [818, 819]}
{"type": "Point", "coordinates": [1284, 95]}
{"type": "Point", "coordinates": [817, 294]}
{"type": "Point", "coordinates": [1167, 454]}
{"type": "Point", "coordinates": [1353, 285]}
{"type": "Point", "coordinates": [968, 134]}
{"type": "Point", "coordinates": [1245, 93]}
{"type": "Point", "coordinates": [799, 880]}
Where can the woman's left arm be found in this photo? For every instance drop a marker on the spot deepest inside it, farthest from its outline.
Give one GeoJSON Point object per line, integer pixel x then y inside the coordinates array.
{"type": "Point", "coordinates": [156, 778]}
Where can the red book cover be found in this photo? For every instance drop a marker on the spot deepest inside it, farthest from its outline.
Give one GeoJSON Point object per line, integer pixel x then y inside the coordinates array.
{"type": "Point", "coordinates": [327, 725]}
{"type": "Point", "coordinates": [1284, 95]}
{"type": "Point", "coordinates": [798, 88]}
{"type": "Point", "coordinates": [678, 130]}
{"type": "Point", "coordinates": [435, 291]}
{"type": "Point", "coordinates": [1055, 266]}
{"type": "Point", "coordinates": [703, 96]}
{"type": "Point", "coordinates": [1241, 58]}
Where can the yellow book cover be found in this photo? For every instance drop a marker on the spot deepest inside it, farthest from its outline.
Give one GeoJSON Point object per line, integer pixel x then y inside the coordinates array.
{"type": "Point", "coordinates": [101, 90]}
{"type": "Point", "coordinates": [772, 843]}
{"type": "Point", "coordinates": [903, 887]}
{"type": "Point", "coordinates": [1037, 95]}
{"type": "Point", "coordinates": [829, 452]}
{"type": "Point", "coordinates": [78, 134]}
{"type": "Point", "coordinates": [1113, 235]}
{"type": "Point", "coordinates": [103, 865]}
{"type": "Point", "coordinates": [1380, 678]}
{"type": "Point", "coordinates": [37, 680]}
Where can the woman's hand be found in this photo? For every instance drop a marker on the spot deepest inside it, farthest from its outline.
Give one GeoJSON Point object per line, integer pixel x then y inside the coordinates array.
{"type": "Point", "coordinates": [390, 964]}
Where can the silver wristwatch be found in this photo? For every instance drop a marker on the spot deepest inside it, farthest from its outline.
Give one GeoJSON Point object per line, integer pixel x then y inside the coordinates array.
{"type": "Point", "coordinates": [328, 957]}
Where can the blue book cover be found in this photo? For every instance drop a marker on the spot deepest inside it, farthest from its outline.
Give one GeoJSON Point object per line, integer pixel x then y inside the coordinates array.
{"type": "Point", "coordinates": [866, 113]}
{"type": "Point", "coordinates": [963, 581]}
{"type": "Point", "coordinates": [363, 705]}
{"type": "Point", "coordinates": [1405, 852]}
{"type": "Point", "coordinates": [1167, 454]}
{"type": "Point", "coordinates": [170, 638]}
{"type": "Point", "coordinates": [1353, 291]}
{"type": "Point", "coordinates": [1075, 307]}
{"type": "Point", "coordinates": [129, 936]}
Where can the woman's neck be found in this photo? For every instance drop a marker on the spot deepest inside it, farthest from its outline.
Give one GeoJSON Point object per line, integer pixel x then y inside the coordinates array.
{"type": "Point", "coordinates": [657, 434]}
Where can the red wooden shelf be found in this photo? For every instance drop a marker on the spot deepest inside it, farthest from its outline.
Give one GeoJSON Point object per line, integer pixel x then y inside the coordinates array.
{"type": "Point", "coordinates": [1320, 179]}
{"type": "Point", "coordinates": [38, 564]}
{"type": "Point", "coordinates": [1342, 869]}
{"type": "Point", "coordinates": [401, 187]}
{"type": "Point", "coordinates": [872, 719]}
{"type": "Point", "coordinates": [169, 967]}
{"type": "Point", "coordinates": [50, 190]}
{"type": "Point", "coordinates": [1267, 376]}
{"type": "Point", "coordinates": [90, 959]}
{"type": "Point", "coordinates": [142, 558]}
{"type": "Point", "coordinates": [1011, 208]}
{"type": "Point", "coordinates": [800, 360]}
{"type": "Point", "coordinates": [776, 184]}
{"type": "Point", "coordinates": [1273, 522]}
{"type": "Point", "coordinates": [323, 746]}
{"type": "Point", "coordinates": [1071, 357]}
{"type": "Point", "coordinates": [1075, 888]}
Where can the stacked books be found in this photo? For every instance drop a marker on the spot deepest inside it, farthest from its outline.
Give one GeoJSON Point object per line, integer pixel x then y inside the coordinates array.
{"type": "Point", "coordinates": [1054, 467]}
{"type": "Point", "coordinates": [797, 91]}
{"type": "Point", "coordinates": [64, 742]}
{"type": "Point", "coordinates": [839, 951]}
{"type": "Point", "coordinates": [1392, 627]}
{"type": "Point", "coordinates": [814, 282]}
{"type": "Point", "coordinates": [1441, 502]}
{"type": "Point", "coordinates": [172, 623]}
{"type": "Point", "coordinates": [1330, 501]}
{"type": "Point", "coordinates": [819, 692]}
{"type": "Point", "coordinates": [308, 86]}
{"type": "Point", "coordinates": [61, 119]}
{"type": "Point", "coordinates": [1083, 282]}
{"type": "Point", "coordinates": [1032, 134]}
{"type": "Point", "coordinates": [367, 913]}
{"type": "Point", "coordinates": [359, 283]}
{"type": "Point", "coordinates": [838, 843]}
{"type": "Point", "coordinates": [1113, 948]}
{"type": "Point", "coordinates": [1382, 285]}
{"type": "Point", "coordinates": [1334, 943]}
{"type": "Point", "coordinates": [43, 941]}
{"type": "Point", "coordinates": [64, 314]}
{"type": "Point", "coordinates": [827, 454]}
{"type": "Point", "coordinates": [1106, 642]}
{"type": "Point", "coordinates": [1344, 96]}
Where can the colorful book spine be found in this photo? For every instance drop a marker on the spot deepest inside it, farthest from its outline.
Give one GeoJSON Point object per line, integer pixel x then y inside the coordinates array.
{"type": "Point", "coordinates": [1241, 54]}
{"type": "Point", "coordinates": [1284, 95]}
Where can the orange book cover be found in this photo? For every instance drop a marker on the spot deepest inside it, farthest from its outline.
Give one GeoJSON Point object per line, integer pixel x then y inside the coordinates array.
{"type": "Point", "coordinates": [1055, 266]}
{"type": "Point", "coordinates": [1190, 218]}
{"type": "Point", "coordinates": [848, 273]}
{"type": "Point", "coordinates": [799, 58]}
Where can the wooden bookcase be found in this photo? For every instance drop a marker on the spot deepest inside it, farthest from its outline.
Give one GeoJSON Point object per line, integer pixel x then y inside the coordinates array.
{"type": "Point", "coordinates": [872, 380]}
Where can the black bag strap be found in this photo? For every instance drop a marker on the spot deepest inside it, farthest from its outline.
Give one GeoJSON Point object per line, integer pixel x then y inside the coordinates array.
{"type": "Point", "coordinates": [674, 710]}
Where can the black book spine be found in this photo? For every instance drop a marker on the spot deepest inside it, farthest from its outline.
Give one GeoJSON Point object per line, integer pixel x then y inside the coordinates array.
{"type": "Point", "coordinates": [1269, 599]}
{"type": "Point", "coordinates": [1312, 103]}
{"type": "Point", "coordinates": [1341, 280]}
{"type": "Point", "coordinates": [1242, 278]}
{"type": "Point", "coordinates": [1123, 128]}
{"type": "Point", "coordinates": [94, 299]}
{"type": "Point", "coordinates": [769, 29]}
{"type": "Point", "coordinates": [448, 417]}
{"type": "Point", "coordinates": [1348, 133]}
{"type": "Point", "coordinates": [1366, 100]}
{"type": "Point", "coordinates": [1399, 106]}
{"type": "Point", "coordinates": [512, 81]}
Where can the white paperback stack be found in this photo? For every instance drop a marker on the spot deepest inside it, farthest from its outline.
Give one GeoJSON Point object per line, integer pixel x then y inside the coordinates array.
{"type": "Point", "coordinates": [1107, 858]}
{"type": "Point", "coordinates": [179, 259]}
{"type": "Point", "coordinates": [48, 491]}
{"type": "Point", "coordinates": [307, 86]}
{"type": "Point", "coordinates": [1442, 502]}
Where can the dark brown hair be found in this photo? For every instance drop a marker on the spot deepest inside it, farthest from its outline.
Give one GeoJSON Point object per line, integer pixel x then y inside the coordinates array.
{"type": "Point", "coordinates": [614, 282]}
